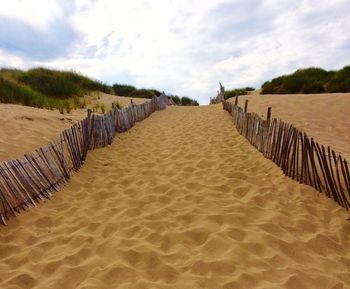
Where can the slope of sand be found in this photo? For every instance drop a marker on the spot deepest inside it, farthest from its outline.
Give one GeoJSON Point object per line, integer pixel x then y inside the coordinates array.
{"type": "Point", "coordinates": [24, 129]}
{"type": "Point", "coordinates": [179, 201]}
{"type": "Point", "coordinates": [326, 117]}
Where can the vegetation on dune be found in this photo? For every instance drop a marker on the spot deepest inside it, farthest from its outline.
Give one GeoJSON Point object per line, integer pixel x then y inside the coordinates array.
{"type": "Point", "coordinates": [60, 84]}
{"type": "Point", "coordinates": [340, 82]}
{"type": "Point", "coordinates": [45, 88]}
{"type": "Point", "coordinates": [13, 92]}
{"type": "Point", "coordinates": [63, 90]}
{"type": "Point", "coordinates": [237, 91]}
{"type": "Point", "coordinates": [184, 101]}
{"type": "Point", "coordinates": [309, 80]}
{"type": "Point", "coordinates": [176, 99]}
{"type": "Point", "coordinates": [131, 91]}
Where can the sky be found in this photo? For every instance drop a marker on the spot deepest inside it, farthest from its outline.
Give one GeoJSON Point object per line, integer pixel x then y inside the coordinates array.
{"type": "Point", "coordinates": [183, 47]}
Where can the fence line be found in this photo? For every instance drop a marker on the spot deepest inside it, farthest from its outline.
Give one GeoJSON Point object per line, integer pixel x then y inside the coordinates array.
{"type": "Point", "coordinates": [300, 157]}
{"type": "Point", "coordinates": [37, 175]}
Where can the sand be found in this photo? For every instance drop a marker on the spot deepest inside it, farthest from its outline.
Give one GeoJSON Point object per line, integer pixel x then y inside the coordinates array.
{"type": "Point", "coordinates": [24, 129]}
{"type": "Point", "coordinates": [179, 201]}
{"type": "Point", "coordinates": [326, 117]}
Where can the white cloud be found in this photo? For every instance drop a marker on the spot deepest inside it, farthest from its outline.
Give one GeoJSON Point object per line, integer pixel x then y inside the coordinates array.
{"type": "Point", "coordinates": [37, 13]}
{"type": "Point", "coordinates": [187, 47]}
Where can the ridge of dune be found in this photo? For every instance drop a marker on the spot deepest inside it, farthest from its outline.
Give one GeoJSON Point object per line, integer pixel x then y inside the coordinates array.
{"type": "Point", "coordinates": [179, 201]}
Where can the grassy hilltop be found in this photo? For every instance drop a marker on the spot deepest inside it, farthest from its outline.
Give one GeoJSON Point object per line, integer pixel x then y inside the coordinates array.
{"type": "Point", "coordinates": [310, 80]}
{"type": "Point", "coordinates": [303, 81]}
{"type": "Point", "coordinates": [45, 88]}
{"type": "Point", "coordinates": [63, 90]}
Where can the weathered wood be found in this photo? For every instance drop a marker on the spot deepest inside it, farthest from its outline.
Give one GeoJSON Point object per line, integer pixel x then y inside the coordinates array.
{"type": "Point", "coordinates": [14, 191]}
{"type": "Point", "coordinates": [345, 178]}
{"type": "Point", "coordinates": [340, 186]}
{"type": "Point", "coordinates": [38, 174]}
{"type": "Point", "coordinates": [317, 181]}
{"type": "Point", "coordinates": [246, 106]}
{"type": "Point", "coordinates": [298, 156]}
{"type": "Point", "coordinates": [35, 190]}
{"type": "Point", "coordinates": [17, 179]}
{"type": "Point", "coordinates": [320, 162]}
{"type": "Point", "coordinates": [8, 201]}
{"type": "Point", "coordinates": [268, 116]}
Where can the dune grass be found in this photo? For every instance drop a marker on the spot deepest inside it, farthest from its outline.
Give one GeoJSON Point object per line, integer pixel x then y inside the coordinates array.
{"type": "Point", "coordinates": [12, 91]}
{"type": "Point", "coordinates": [46, 88]}
{"type": "Point", "coordinates": [59, 84]}
{"type": "Point", "coordinates": [63, 90]}
{"type": "Point", "coordinates": [310, 80]}
{"type": "Point", "coordinates": [132, 91]}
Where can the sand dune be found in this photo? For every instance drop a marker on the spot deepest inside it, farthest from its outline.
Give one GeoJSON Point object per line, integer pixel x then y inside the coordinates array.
{"type": "Point", "coordinates": [323, 116]}
{"type": "Point", "coordinates": [24, 129]}
{"type": "Point", "coordinates": [179, 201]}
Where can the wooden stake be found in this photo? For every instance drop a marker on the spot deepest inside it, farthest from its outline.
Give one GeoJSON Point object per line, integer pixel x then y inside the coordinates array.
{"type": "Point", "coordinates": [246, 106]}
{"type": "Point", "coordinates": [268, 117]}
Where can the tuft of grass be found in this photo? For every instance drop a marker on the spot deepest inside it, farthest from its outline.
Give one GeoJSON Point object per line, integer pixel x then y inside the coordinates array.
{"type": "Point", "coordinates": [117, 105]}
{"type": "Point", "coordinates": [99, 107]}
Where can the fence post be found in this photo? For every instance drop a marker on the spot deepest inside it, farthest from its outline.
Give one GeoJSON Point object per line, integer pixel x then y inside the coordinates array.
{"type": "Point", "coordinates": [221, 94]}
{"type": "Point", "coordinates": [268, 118]}
{"type": "Point", "coordinates": [89, 113]}
{"type": "Point", "coordinates": [246, 106]}
{"type": "Point", "coordinates": [236, 100]}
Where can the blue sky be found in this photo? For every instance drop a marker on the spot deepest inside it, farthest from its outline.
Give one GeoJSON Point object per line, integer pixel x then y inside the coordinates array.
{"type": "Point", "coordinates": [181, 47]}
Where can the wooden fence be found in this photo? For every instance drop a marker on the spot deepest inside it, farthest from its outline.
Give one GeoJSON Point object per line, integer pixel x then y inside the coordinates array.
{"type": "Point", "coordinates": [299, 157]}
{"type": "Point", "coordinates": [37, 175]}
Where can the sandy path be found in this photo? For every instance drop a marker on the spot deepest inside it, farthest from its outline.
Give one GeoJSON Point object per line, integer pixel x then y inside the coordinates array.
{"type": "Point", "coordinates": [179, 201]}
{"type": "Point", "coordinates": [322, 116]}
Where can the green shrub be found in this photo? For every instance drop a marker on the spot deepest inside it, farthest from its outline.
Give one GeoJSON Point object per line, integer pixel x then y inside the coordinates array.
{"type": "Point", "coordinates": [175, 98]}
{"type": "Point", "coordinates": [186, 101]}
{"type": "Point", "coordinates": [123, 90]}
{"type": "Point", "coordinates": [314, 87]}
{"type": "Point", "coordinates": [267, 88]}
{"type": "Point", "coordinates": [142, 93]}
{"type": "Point", "coordinates": [131, 91]}
{"type": "Point", "coordinates": [340, 81]}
